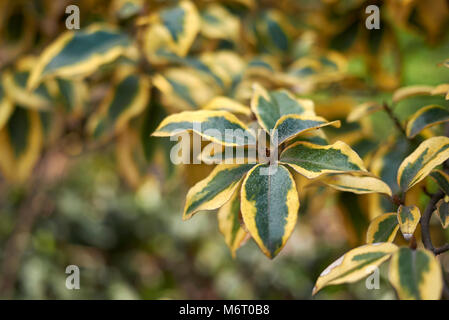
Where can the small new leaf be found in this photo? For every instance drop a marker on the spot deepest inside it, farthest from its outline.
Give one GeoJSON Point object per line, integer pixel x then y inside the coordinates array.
{"type": "Point", "coordinates": [408, 219]}
{"type": "Point", "coordinates": [383, 228]}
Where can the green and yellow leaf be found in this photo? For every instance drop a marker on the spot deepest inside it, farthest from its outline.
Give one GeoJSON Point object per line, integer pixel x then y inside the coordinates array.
{"type": "Point", "coordinates": [210, 125]}
{"type": "Point", "coordinates": [442, 179]}
{"type": "Point", "coordinates": [6, 107]}
{"type": "Point", "coordinates": [269, 205]}
{"type": "Point", "coordinates": [79, 53]}
{"type": "Point", "coordinates": [183, 89]}
{"type": "Point", "coordinates": [15, 86]}
{"type": "Point", "coordinates": [441, 89]}
{"type": "Point", "coordinates": [357, 184]}
{"type": "Point", "coordinates": [229, 223]}
{"type": "Point", "coordinates": [312, 160]}
{"type": "Point", "coordinates": [218, 23]}
{"type": "Point", "coordinates": [273, 28]}
{"type": "Point", "coordinates": [290, 126]}
{"type": "Point", "coordinates": [416, 274]}
{"type": "Point", "coordinates": [21, 141]}
{"type": "Point", "coordinates": [426, 117]}
{"type": "Point", "coordinates": [429, 154]}
{"type": "Point", "coordinates": [363, 110]}
{"type": "Point", "coordinates": [408, 219]}
{"type": "Point", "coordinates": [442, 211]}
{"type": "Point", "coordinates": [383, 228]}
{"type": "Point", "coordinates": [214, 153]}
{"type": "Point", "coordinates": [173, 29]}
{"type": "Point", "coordinates": [227, 104]}
{"type": "Point", "coordinates": [125, 100]}
{"type": "Point", "coordinates": [73, 94]}
{"type": "Point", "coordinates": [269, 107]}
{"type": "Point", "coordinates": [411, 91]}
{"type": "Point", "coordinates": [214, 191]}
{"type": "Point", "coordinates": [355, 264]}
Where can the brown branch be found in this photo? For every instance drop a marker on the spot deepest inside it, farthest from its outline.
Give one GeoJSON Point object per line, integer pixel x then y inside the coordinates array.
{"type": "Point", "coordinates": [425, 220]}
{"type": "Point", "coordinates": [395, 119]}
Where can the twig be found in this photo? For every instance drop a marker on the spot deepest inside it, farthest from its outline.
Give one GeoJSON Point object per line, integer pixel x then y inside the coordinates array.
{"type": "Point", "coordinates": [395, 119]}
{"type": "Point", "coordinates": [425, 219]}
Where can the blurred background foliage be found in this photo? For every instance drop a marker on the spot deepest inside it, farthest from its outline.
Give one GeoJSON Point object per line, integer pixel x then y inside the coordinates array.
{"type": "Point", "coordinates": [114, 209]}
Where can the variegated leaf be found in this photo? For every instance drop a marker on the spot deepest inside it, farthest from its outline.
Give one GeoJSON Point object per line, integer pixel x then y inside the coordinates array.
{"type": "Point", "coordinates": [429, 154]}
{"type": "Point", "coordinates": [383, 228]}
{"type": "Point", "coordinates": [363, 110]}
{"type": "Point", "coordinates": [79, 53]}
{"type": "Point", "coordinates": [426, 117]}
{"type": "Point", "coordinates": [212, 125]}
{"type": "Point", "coordinates": [408, 219]}
{"type": "Point", "coordinates": [416, 274]}
{"type": "Point", "coordinates": [442, 211]}
{"type": "Point", "coordinates": [357, 184]}
{"type": "Point", "coordinates": [227, 104]}
{"type": "Point", "coordinates": [73, 94]}
{"type": "Point", "coordinates": [218, 23]}
{"type": "Point", "coordinates": [183, 89]}
{"type": "Point", "coordinates": [442, 179]}
{"type": "Point", "coordinates": [355, 264]}
{"type": "Point", "coordinates": [411, 91]}
{"type": "Point", "coordinates": [125, 100]}
{"type": "Point", "coordinates": [290, 126]}
{"type": "Point", "coordinates": [269, 205]}
{"type": "Point", "coordinates": [269, 107]}
{"type": "Point", "coordinates": [21, 141]}
{"type": "Point", "coordinates": [229, 223]}
{"type": "Point", "coordinates": [172, 29]}
{"type": "Point", "coordinates": [6, 107]}
{"type": "Point", "coordinates": [313, 160]}
{"type": "Point", "coordinates": [214, 191]}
